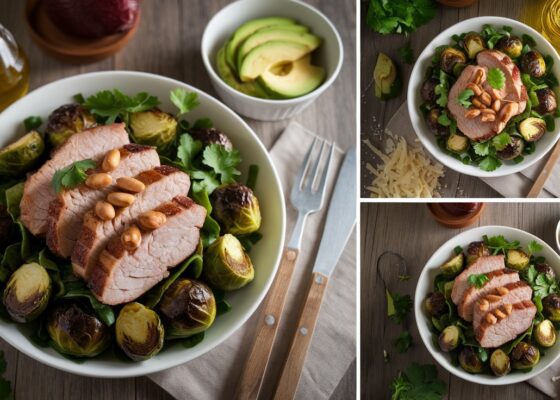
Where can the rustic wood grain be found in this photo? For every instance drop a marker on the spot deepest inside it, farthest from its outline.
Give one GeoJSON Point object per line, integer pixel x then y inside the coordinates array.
{"type": "Point", "coordinates": [410, 230]}
{"type": "Point", "coordinates": [168, 43]}
{"type": "Point", "coordinates": [375, 114]}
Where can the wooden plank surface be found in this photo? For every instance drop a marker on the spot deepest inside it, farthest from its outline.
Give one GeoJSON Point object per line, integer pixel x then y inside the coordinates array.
{"type": "Point", "coordinates": [168, 43]}
{"type": "Point", "coordinates": [375, 114]}
{"type": "Point", "coordinates": [410, 230]}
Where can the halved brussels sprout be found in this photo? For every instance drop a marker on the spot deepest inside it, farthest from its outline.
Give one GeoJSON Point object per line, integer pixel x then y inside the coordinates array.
{"type": "Point", "coordinates": [22, 155]}
{"type": "Point", "coordinates": [428, 90]}
{"type": "Point", "coordinates": [435, 304]}
{"type": "Point", "coordinates": [511, 45]}
{"type": "Point", "coordinates": [226, 265]}
{"type": "Point", "coordinates": [188, 307]}
{"type": "Point", "coordinates": [77, 332]}
{"type": "Point", "coordinates": [500, 363]}
{"type": "Point", "coordinates": [473, 44]}
{"type": "Point", "coordinates": [27, 293]}
{"type": "Point", "coordinates": [525, 356]}
{"type": "Point", "coordinates": [470, 360]}
{"type": "Point", "coordinates": [210, 136]}
{"type": "Point", "coordinates": [476, 250]}
{"type": "Point", "coordinates": [139, 332]}
{"type": "Point", "coordinates": [236, 208]}
{"type": "Point", "coordinates": [512, 150]}
{"type": "Point", "coordinates": [66, 121]}
{"type": "Point", "coordinates": [547, 101]}
{"type": "Point", "coordinates": [453, 266]}
{"type": "Point", "coordinates": [435, 126]}
{"type": "Point", "coordinates": [449, 339]}
{"type": "Point", "coordinates": [153, 128]}
{"type": "Point", "coordinates": [533, 64]}
{"type": "Point", "coordinates": [551, 307]}
{"type": "Point", "coordinates": [517, 259]}
{"type": "Point", "coordinates": [457, 143]}
{"type": "Point", "coordinates": [532, 128]}
{"type": "Point", "coordinates": [451, 56]}
{"type": "Point", "coordinates": [545, 333]}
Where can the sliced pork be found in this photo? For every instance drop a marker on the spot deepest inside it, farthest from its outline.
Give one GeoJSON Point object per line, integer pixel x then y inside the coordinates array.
{"type": "Point", "coordinates": [162, 185]}
{"type": "Point", "coordinates": [38, 192]}
{"type": "Point", "coordinates": [505, 323]}
{"type": "Point", "coordinates": [482, 265]}
{"type": "Point", "coordinates": [121, 276]}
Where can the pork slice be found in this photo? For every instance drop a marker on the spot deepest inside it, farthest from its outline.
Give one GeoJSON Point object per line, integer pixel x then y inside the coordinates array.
{"type": "Point", "coordinates": [496, 280]}
{"type": "Point", "coordinates": [66, 212]}
{"type": "Point", "coordinates": [121, 276]}
{"type": "Point", "coordinates": [38, 192]}
{"type": "Point", "coordinates": [492, 335]}
{"type": "Point", "coordinates": [482, 265]}
{"type": "Point", "coordinates": [473, 128]}
{"type": "Point", "coordinates": [162, 185]}
{"type": "Point", "coordinates": [516, 292]}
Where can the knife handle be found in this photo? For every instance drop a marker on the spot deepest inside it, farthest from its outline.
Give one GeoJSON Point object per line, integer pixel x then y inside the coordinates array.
{"type": "Point", "coordinates": [255, 366]}
{"type": "Point", "coordinates": [291, 371]}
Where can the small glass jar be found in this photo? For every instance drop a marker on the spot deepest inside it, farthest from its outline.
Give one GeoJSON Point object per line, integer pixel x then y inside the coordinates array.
{"type": "Point", "coordinates": [14, 70]}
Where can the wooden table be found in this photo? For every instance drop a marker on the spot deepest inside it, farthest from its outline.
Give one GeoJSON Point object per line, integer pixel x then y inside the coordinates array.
{"type": "Point", "coordinates": [168, 43]}
{"type": "Point", "coordinates": [410, 230]}
{"type": "Point", "coordinates": [375, 114]}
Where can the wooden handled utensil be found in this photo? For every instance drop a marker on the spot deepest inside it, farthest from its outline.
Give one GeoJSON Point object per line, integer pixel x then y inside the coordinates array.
{"type": "Point", "coordinates": [545, 173]}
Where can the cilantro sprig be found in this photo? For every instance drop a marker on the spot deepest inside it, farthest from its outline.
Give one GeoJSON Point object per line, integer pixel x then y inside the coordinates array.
{"type": "Point", "coordinates": [399, 16]}
{"type": "Point", "coordinates": [183, 100]}
{"type": "Point", "coordinates": [110, 105]}
{"type": "Point", "coordinates": [418, 382]}
{"type": "Point", "coordinates": [541, 283]}
{"type": "Point", "coordinates": [499, 244]}
{"type": "Point", "coordinates": [71, 176]}
{"type": "Point", "coordinates": [477, 280]}
{"type": "Point", "coordinates": [496, 78]}
{"type": "Point", "coordinates": [464, 96]}
{"type": "Point", "coordinates": [398, 306]}
{"type": "Point", "coordinates": [534, 247]}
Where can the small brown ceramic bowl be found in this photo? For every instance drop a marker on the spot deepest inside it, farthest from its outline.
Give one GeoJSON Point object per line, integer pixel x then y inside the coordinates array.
{"type": "Point", "coordinates": [67, 48]}
{"type": "Point", "coordinates": [450, 220]}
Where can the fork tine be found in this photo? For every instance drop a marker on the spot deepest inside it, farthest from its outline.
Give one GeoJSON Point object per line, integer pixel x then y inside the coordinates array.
{"type": "Point", "coordinates": [315, 168]}
{"type": "Point", "coordinates": [298, 181]}
{"type": "Point", "coordinates": [323, 182]}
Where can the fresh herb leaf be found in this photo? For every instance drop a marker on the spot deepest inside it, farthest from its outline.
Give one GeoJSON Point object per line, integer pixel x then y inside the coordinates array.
{"type": "Point", "coordinates": [499, 244]}
{"type": "Point", "coordinates": [534, 247]}
{"type": "Point", "coordinates": [252, 176]}
{"type": "Point", "coordinates": [183, 100]}
{"type": "Point", "coordinates": [398, 306]}
{"type": "Point", "coordinates": [249, 240]}
{"type": "Point", "coordinates": [203, 123]}
{"type": "Point", "coordinates": [211, 228]}
{"type": "Point", "coordinates": [112, 105]}
{"type": "Point", "coordinates": [104, 312]}
{"type": "Point", "coordinates": [406, 53]}
{"type": "Point", "coordinates": [489, 163]}
{"type": "Point", "coordinates": [222, 161]}
{"type": "Point", "coordinates": [496, 78]}
{"type": "Point", "coordinates": [464, 96]}
{"type": "Point", "coordinates": [31, 123]}
{"type": "Point", "coordinates": [399, 16]}
{"type": "Point", "coordinates": [478, 280]}
{"type": "Point", "coordinates": [72, 176]}
{"type": "Point", "coordinates": [403, 342]}
{"type": "Point", "coordinates": [482, 148]}
{"type": "Point", "coordinates": [418, 382]}
{"type": "Point", "coordinates": [444, 119]}
{"type": "Point", "coordinates": [442, 89]}
{"type": "Point", "coordinates": [501, 141]}
{"type": "Point", "coordinates": [528, 40]}
{"type": "Point", "coordinates": [79, 98]}
{"type": "Point", "coordinates": [458, 250]}
{"type": "Point", "coordinates": [187, 150]}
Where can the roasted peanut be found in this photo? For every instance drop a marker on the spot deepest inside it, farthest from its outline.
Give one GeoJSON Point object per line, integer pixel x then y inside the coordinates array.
{"type": "Point", "coordinates": [484, 305]}
{"type": "Point", "coordinates": [488, 111]}
{"type": "Point", "coordinates": [152, 220]}
{"type": "Point", "coordinates": [502, 291]}
{"type": "Point", "coordinates": [491, 319]}
{"type": "Point", "coordinates": [507, 111]}
{"type": "Point", "coordinates": [486, 99]}
{"type": "Point", "coordinates": [104, 210]}
{"type": "Point", "coordinates": [493, 298]}
{"type": "Point", "coordinates": [500, 314]}
{"type": "Point", "coordinates": [477, 103]}
{"type": "Point", "coordinates": [130, 184]}
{"type": "Point", "coordinates": [508, 308]}
{"type": "Point", "coordinates": [478, 77]}
{"type": "Point", "coordinates": [98, 181]}
{"type": "Point", "coordinates": [131, 238]}
{"type": "Point", "coordinates": [472, 113]}
{"type": "Point", "coordinates": [496, 105]}
{"type": "Point", "coordinates": [496, 95]}
{"type": "Point", "coordinates": [475, 88]}
{"type": "Point", "coordinates": [488, 118]}
{"type": "Point", "coordinates": [120, 199]}
{"type": "Point", "coordinates": [111, 160]}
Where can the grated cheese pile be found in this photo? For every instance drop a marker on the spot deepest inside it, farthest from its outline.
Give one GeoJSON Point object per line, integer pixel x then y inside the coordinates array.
{"type": "Point", "coordinates": [405, 172]}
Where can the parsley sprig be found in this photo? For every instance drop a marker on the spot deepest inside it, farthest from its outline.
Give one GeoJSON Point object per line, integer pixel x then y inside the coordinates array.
{"type": "Point", "coordinates": [399, 16]}
{"type": "Point", "coordinates": [418, 382]}
{"type": "Point", "coordinates": [499, 244]}
{"type": "Point", "coordinates": [541, 283]}
{"type": "Point", "coordinates": [71, 176]}
{"type": "Point", "coordinates": [477, 280]}
{"type": "Point", "coordinates": [464, 96]}
{"type": "Point", "coordinates": [496, 78]}
{"type": "Point", "coordinates": [398, 306]}
{"type": "Point", "coordinates": [110, 105]}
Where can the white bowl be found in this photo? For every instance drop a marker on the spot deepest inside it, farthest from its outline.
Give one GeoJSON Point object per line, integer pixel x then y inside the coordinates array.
{"type": "Point", "coordinates": [425, 286]}
{"type": "Point", "coordinates": [265, 254]}
{"type": "Point", "coordinates": [428, 139]}
{"type": "Point", "coordinates": [329, 55]}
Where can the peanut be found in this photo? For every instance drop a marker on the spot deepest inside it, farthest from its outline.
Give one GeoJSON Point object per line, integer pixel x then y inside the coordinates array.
{"type": "Point", "coordinates": [486, 99]}
{"type": "Point", "coordinates": [508, 308]}
{"type": "Point", "coordinates": [500, 314]}
{"type": "Point", "coordinates": [477, 103]}
{"type": "Point", "coordinates": [478, 76]}
{"type": "Point", "coordinates": [131, 238]}
{"type": "Point", "coordinates": [493, 298]}
{"type": "Point", "coordinates": [484, 305]}
{"type": "Point", "coordinates": [502, 291]}
{"type": "Point", "coordinates": [496, 95]}
{"type": "Point", "coordinates": [98, 181]}
{"type": "Point", "coordinates": [104, 210]}
{"type": "Point", "coordinates": [475, 88]}
{"type": "Point", "coordinates": [488, 118]}
{"type": "Point", "coordinates": [488, 111]}
{"type": "Point", "coordinates": [491, 319]}
{"type": "Point", "coordinates": [152, 220]}
{"type": "Point", "coordinates": [507, 111]}
{"type": "Point", "coordinates": [472, 113]}
{"type": "Point", "coordinates": [496, 105]}
{"type": "Point", "coordinates": [111, 161]}
{"type": "Point", "coordinates": [130, 184]}
{"type": "Point", "coordinates": [120, 199]}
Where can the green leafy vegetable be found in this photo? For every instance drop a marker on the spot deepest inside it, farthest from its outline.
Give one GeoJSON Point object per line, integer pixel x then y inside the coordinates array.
{"type": "Point", "coordinates": [418, 382]}
{"type": "Point", "coordinates": [541, 283]}
{"type": "Point", "coordinates": [5, 385]}
{"type": "Point", "coordinates": [250, 239]}
{"type": "Point", "coordinates": [501, 141]}
{"type": "Point", "coordinates": [442, 89]}
{"type": "Point", "coordinates": [72, 176]}
{"type": "Point", "coordinates": [183, 100]}
{"type": "Point", "coordinates": [399, 16]}
{"type": "Point", "coordinates": [499, 244]}
{"type": "Point", "coordinates": [398, 306]}
{"type": "Point", "coordinates": [187, 150]}
{"type": "Point", "coordinates": [13, 198]}
{"type": "Point", "coordinates": [112, 105]}
{"type": "Point", "coordinates": [489, 163]}
{"type": "Point", "coordinates": [444, 119]}
{"type": "Point", "coordinates": [496, 78]}
{"type": "Point", "coordinates": [104, 312]}
{"type": "Point", "coordinates": [482, 148]}
{"type": "Point", "coordinates": [464, 96]}
{"type": "Point", "coordinates": [406, 53]}
{"type": "Point", "coordinates": [477, 280]}
{"type": "Point", "coordinates": [458, 250]}
{"type": "Point", "coordinates": [211, 228]}
{"type": "Point", "coordinates": [252, 176]}
{"type": "Point", "coordinates": [222, 161]}
{"type": "Point", "coordinates": [534, 247]}
{"type": "Point", "coordinates": [192, 340]}
{"type": "Point", "coordinates": [31, 123]}
{"type": "Point", "coordinates": [403, 342]}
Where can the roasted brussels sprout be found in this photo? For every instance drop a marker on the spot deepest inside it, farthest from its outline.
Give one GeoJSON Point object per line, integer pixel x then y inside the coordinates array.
{"type": "Point", "coordinates": [451, 56]}
{"type": "Point", "coordinates": [532, 128]}
{"type": "Point", "coordinates": [512, 150]}
{"type": "Point", "coordinates": [67, 120]}
{"type": "Point", "coordinates": [533, 64]}
{"type": "Point", "coordinates": [27, 293]}
{"type": "Point", "coordinates": [210, 136]}
{"type": "Point", "coordinates": [547, 101]}
{"type": "Point", "coordinates": [470, 360]}
{"type": "Point", "coordinates": [457, 143]}
{"type": "Point", "coordinates": [476, 250]}
{"type": "Point", "coordinates": [153, 128]}
{"type": "Point", "coordinates": [449, 339]}
{"type": "Point", "coordinates": [545, 333]}
{"type": "Point", "coordinates": [5, 227]}
{"type": "Point", "coordinates": [236, 208]}
{"type": "Point", "coordinates": [517, 259]}
{"type": "Point", "coordinates": [435, 304]}
{"type": "Point", "coordinates": [435, 126]}
{"type": "Point", "coordinates": [226, 265]}
{"type": "Point", "coordinates": [386, 78]}
{"type": "Point", "coordinates": [453, 266]}
{"type": "Point", "coordinates": [428, 90]}
{"type": "Point", "coordinates": [473, 44]}
{"type": "Point", "coordinates": [188, 307]}
{"type": "Point", "coordinates": [544, 268]}
{"type": "Point", "coordinates": [22, 155]}
{"type": "Point", "coordinates": [551, 307]}
{"type": "Point", "coordinates": [139, 332]}
{"type": "Point", "coordinates": [77, 332]}
{"type": "Point", "coordinates": [525, 356]}
{"type": "Point", "coordinates": [511, 45]}
{"type": "Point", "coordinates": [500, 363]}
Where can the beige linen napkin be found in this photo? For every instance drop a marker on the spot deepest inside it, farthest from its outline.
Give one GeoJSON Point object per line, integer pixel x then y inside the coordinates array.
{"type": "Point", "coordinates": [512, 186]}
{"type": "Point", "coordinates": [215, 374]}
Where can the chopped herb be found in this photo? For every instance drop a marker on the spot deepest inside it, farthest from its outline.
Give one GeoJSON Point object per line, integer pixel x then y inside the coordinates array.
{"type": "Point", "coordinates": [499, 244]}
{"type": "Point", "coordinates": [398, 306]}
{"type": "Point", "coordinates": [112, 105]}
{"type": "Point", "coordinates": [541, 283]}
{"type": "Point", "coordinates": [477, 280]}
{"type": "Point", "coordinates": [489, 163]}
{"type": "Point", "coordinates": [464, 96]}
{"type": "Point", "coordinates": [528, 40]}
{"type": "Point", "coordinates": [496, 78]}
{"type": "Point", "coordinates": [183, 100]}
{"type": "Point", "coordinates": [442, 89]}
{"type": "Point", "coordinates": [418, 382]}
{"type": "Point", "coordinates": [72, 176]}
{"type": "Point", "coordinates": [79, 98]}
{"type": "Point", "coordinates": [403, 342]}
{"type": "Point", "coordinates": [501, 141]}
{"type": "Point", "coordinates": [444, 119]}
{"type": "Point", "coordinates": [399, 16]}
{"type": "Point", "coordinates": [31, 123]}
{"type": "Point", "coordinates": [222, 161]}
{"type": "Point", "coordinates": [458, 250]}
{"type": "Point", "coordinates": [482, 148]}
{"type": "Point", "coordinates": [534, 247]}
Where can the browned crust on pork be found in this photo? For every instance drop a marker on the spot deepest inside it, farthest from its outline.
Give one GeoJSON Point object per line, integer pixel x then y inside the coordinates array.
{"type": "Point", "coordinates": [485, 324]}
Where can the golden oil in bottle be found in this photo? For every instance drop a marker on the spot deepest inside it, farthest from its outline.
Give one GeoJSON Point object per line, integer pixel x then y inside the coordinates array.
{"type": "Point", "coordinates": [14, 70]}
{"type": "Point", "coordinates": [544, 16]}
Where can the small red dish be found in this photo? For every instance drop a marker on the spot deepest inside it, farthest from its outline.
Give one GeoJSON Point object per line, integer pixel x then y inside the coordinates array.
{"type": "Point", "coordinates": [451, 219]}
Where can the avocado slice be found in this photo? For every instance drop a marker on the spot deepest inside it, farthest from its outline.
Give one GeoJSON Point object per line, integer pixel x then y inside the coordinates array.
{"type": "Point", "coordinates": [246, 30]}
{"type": "Point", "coordinates": [283, 32]}
{"type": "Point", "coordinates": [268, 54]}
{"type": "Point", "coordinates": [292, 79]}
{"type": "Point", "coordinates": [388, 83]}
{"type": "Point", "coordinates": [251, 88]}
